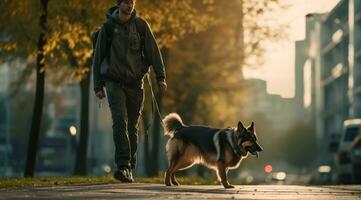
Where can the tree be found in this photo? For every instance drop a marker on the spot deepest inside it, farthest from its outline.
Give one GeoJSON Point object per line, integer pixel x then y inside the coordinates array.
{"type": "Point", "coordinates": [17, 44]}
{"type": "Point", "coordinates": [211, 62]}
{"type": "Point", "coordinates": [39, 93]}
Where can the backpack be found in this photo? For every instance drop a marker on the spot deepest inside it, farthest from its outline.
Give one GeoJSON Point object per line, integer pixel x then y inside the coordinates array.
{"type": "Point", "coordinates": [109, 25]}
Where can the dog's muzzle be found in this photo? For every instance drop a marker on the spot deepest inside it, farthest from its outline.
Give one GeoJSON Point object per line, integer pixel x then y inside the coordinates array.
{"type": "Point", "coordinates": [254, 149]}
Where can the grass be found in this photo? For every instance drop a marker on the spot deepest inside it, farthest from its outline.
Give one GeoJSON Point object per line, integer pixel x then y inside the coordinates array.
{"type": "Point", "coordinates": [10, 183]}
{"type": "Point", "coordinates": [53, 181]}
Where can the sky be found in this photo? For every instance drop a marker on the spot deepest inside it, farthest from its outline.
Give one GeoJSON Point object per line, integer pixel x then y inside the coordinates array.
{"type": "Point", "coordinates": [278, 69]}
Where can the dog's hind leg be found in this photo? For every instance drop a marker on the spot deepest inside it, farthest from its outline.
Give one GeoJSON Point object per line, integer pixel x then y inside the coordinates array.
{"type": "Point", "coordinates": [182, 163]}
{"type": "Point", "coordinates": [174, 153]}
{"type": "Point", "coordinates": [222, 174]}
{"type": "Point", "coordinates": [170, 174]}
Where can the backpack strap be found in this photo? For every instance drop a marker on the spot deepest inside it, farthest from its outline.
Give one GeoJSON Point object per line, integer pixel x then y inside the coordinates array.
{"type": "Point", "coordinates": [140, 26]}
{"type": "Point", "coordinates": [109, 26]}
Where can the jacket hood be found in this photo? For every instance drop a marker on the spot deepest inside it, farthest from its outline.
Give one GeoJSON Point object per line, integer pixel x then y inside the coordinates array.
{"type": "Point", "coordinates": [113, 13]}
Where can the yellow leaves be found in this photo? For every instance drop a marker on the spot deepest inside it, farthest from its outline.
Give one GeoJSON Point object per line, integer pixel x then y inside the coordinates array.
{"type": "Point", "coordinates": [52, 43]}
{"type": "Point", "coordinates": [68, 40]}
{"type": "Point", "coordinates": [79, 73]}
{"type": "Point", "coordinates": [87, 53]}
{"type": "Point", "coordinates": [70, 25]}
{"type": "Point", "coordinates": [86, 39]}
{"type": "Point", "coordinates": [8, 47]}
{"type": "Point", "coordinates": [71, 43]}
{"type": "Point", "coordinates": [171, 20]}
{"type": "Point", "coordinates": [42, 70]}
{"type": "Point", "coordinates": [208, 2]}
{"type": "Point", "coordinates": [208, 62]}
{"type": "Point", "coordinates": [13, 13]}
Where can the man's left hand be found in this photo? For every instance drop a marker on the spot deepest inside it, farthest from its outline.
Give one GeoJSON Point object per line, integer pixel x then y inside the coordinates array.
{"type": "Point", "coordinates": [162, 86]}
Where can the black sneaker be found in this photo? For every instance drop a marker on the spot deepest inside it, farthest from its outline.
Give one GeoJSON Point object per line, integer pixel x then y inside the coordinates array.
{"type": "Point", "coordinates": [123, 176]}
{"type": "Point", "coordinates": [130, 175]}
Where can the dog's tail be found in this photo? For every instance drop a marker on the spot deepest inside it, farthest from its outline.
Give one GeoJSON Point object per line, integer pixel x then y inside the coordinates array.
{"type": "Point", "coordinates": [172, 122]}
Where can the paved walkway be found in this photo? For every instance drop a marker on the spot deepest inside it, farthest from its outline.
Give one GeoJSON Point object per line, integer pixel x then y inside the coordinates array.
{"type": "Point", "coordinates": [155, 191]}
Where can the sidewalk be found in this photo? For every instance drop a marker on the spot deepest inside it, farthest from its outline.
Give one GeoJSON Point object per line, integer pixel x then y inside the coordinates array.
{"type": "Point", "coordinates": [156, 191]}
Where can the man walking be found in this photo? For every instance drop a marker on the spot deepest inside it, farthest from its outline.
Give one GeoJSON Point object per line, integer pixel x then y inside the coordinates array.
{"type": "Point", "coordinates": [125, 49]}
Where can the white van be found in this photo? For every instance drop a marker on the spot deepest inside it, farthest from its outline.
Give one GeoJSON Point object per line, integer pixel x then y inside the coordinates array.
{"type": "Point", "coordinates": [351, 129]}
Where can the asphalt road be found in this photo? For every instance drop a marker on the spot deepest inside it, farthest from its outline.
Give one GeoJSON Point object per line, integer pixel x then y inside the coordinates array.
{"type": "Point", "coordinates": [155, 191]}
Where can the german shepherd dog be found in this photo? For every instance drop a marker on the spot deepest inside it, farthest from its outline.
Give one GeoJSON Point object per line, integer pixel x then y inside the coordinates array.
{"type": "Point", "coordinates": [217, 149]}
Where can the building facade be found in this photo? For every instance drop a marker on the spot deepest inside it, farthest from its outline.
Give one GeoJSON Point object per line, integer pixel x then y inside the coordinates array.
{"type": "Point", "coordinates": [281, 113]}
{"type": "Point", "coordinates": [332, 63]}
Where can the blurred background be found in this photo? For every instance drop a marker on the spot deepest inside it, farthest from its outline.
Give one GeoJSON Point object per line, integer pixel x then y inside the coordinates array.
{"type": "Point", "coordinates": [291, 66]}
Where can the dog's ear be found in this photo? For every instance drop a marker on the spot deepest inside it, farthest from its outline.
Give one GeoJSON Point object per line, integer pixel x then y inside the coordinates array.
{"type": "Point", "coordinates": [251, 127]}
{"type": "Point", "coordinates": [240, 126]}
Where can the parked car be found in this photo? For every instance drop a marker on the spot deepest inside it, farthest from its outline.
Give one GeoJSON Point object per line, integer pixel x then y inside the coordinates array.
{"type": "Point", "coordinates": [351, 129]}
{"type": "Point", "coordinates": [355, 156]}
{"type": "Point", "coordinates": [321, 176]}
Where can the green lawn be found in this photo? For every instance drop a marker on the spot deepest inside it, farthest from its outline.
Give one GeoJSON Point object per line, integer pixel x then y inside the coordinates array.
{"type": "Point", "coordinates": [58, 181]}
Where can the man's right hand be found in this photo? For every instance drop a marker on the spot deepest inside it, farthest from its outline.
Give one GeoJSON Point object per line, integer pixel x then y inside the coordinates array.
{"type": "Point", "coordinates": [100, 94]}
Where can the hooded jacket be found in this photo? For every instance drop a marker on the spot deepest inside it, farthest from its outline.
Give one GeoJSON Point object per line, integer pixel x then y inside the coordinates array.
{"type": "Point", "coordinates": [127, 61]}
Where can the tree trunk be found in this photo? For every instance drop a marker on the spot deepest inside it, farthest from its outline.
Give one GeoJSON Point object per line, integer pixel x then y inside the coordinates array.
{"type": "Point", "coordinates": [156, 132]}
{"type": "Point", "coordinates": [147, 157]}
{"type": "Point", "coordinates": [156, 138]}
{"type": "Point", "coordinates": [80, 168]}
{"type": "Point", "coordinates": [82, 150]}
{"type": "Point", "coordinates": [39, 94]}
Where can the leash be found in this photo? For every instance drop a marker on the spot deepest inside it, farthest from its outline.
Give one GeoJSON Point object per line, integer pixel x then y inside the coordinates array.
{"type": "Point", "coordinates": [154, 105]}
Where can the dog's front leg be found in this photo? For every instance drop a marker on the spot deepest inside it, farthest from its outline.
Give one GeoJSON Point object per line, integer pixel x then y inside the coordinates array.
{"type": "Point", "coordinates": [221, 170]}
{"type": "Point", "coordinates": [167, 178]}
{"type": "Point", "coordinates": [174, 180]}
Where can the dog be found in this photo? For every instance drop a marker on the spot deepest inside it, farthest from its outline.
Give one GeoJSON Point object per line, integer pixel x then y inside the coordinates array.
{"type": "Point", "coordinates": [217, 149]}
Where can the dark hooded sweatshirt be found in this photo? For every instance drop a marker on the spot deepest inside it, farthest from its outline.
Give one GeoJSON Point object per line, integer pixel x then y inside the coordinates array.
{"type": "Point", "coordinates": [128, 61]}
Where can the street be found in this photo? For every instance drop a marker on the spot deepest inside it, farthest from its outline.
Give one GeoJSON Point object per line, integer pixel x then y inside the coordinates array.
{"type": "Point", "coordinates": [156, 191]}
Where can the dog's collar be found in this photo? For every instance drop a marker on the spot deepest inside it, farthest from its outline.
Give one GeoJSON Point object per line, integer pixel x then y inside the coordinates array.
{"type": "Point", "coordinates": [238, 150]}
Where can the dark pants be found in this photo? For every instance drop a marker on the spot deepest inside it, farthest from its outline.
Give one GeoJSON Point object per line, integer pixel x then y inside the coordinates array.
{"type": "Point", "coordinates": [126, 104]}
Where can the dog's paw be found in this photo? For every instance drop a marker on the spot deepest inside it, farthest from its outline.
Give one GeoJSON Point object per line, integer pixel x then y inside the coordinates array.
{"type": "Point", "coordinates": [175, 183]}
{"type": "Point", "coordinates": [228, 186]}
